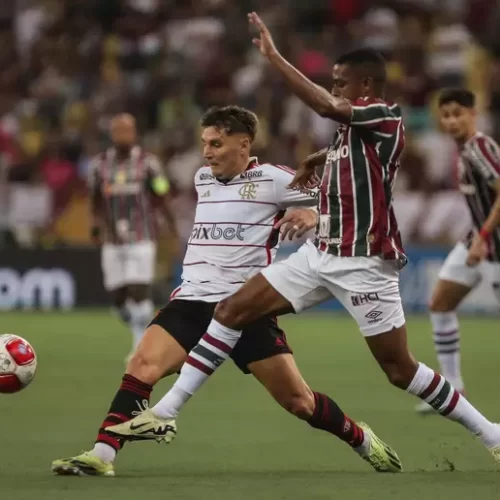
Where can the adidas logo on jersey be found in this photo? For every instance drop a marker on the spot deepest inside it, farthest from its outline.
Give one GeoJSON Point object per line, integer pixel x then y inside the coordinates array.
{"type": "Point", "coordinates": [206, 194]}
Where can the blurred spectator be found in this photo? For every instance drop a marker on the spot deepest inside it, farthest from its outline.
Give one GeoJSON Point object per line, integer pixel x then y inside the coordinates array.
{"type": "Point", "coordinates": [379, 29]}
{"type": "Point", "coordinates": [67, 66]}
{"type": "Point", "coordinates": [494, 91]}
{"type": "Point", "coordinates": [57, 172]}
{"type": "Point", "coordinates": [449, 43]}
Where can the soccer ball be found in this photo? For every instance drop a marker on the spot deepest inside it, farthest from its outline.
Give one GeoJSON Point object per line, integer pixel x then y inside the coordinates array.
{"type": "Point", "coordinates": [17, 363]}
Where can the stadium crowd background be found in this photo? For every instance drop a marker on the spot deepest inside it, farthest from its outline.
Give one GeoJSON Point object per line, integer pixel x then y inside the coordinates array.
{"type": "Point", "coordinates": [66, 66]}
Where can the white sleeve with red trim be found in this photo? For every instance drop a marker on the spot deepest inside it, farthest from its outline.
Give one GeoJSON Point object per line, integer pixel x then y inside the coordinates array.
{"type": "Point", "coordinates": [285, 197]}
{"type": "Point", "coordinates": [484, 154]}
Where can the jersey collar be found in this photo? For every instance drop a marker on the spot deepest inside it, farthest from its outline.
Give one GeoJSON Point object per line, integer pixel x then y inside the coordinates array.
{"type": "Point", "coordinates": [253, 162]}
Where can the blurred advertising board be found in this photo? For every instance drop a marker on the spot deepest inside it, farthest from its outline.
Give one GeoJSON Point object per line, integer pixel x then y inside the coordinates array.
{"type": "Point", "coordinates": [50, 279]}
{"type": "Point", "coordinates": [68, 278]}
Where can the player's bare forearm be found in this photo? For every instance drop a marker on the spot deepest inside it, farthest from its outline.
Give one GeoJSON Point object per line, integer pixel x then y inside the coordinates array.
{"type": "Point", "coordinates": [493, 220]}
{"type": "Point", "coordinates": [313, 95]}
{"type": "Point", "coordinates": [317, 159]}
{"type": "Point", "coordinates": [305, 177]}
{"type": "Point", "coordinates": [316, 97]}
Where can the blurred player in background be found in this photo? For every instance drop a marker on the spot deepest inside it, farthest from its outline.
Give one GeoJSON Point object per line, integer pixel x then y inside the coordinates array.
{"type": "Point", "coordinates": [241, 206]}
{"type": "Point", "coordinates": [356, 256]}
{"type": "Point", "coordinates": [478, 257]}
{"type": "Point", "coordinates": [128, 189]}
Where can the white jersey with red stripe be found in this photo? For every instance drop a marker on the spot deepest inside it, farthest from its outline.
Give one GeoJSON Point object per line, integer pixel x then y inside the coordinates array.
{"type": "Point", "coordinates": [233, 236]}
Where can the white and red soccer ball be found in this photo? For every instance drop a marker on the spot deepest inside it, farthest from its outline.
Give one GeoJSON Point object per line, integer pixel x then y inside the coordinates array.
{"type": "Point", "coordinates": [17, 363]}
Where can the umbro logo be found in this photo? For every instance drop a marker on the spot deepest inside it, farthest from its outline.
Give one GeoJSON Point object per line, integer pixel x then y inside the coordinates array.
{"type": "Point", "coordinates": [206, 194]}
{"type": "Point", "coordinates": [374, 316]}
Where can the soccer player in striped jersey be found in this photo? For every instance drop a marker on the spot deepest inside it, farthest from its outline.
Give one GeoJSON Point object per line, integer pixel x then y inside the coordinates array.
{"type": "Point", "coordinates": [128, 191]}
{"type": "Point", "coordinates": [478, 257]}
{"type": "Point", "coordinates": [241, 207]}
{"type": "Point", "coordinates": [357, 252]}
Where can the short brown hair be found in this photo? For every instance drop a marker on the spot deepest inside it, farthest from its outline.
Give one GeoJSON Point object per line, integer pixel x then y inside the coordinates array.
{"type": "Point", "coordinates": [231, 119]}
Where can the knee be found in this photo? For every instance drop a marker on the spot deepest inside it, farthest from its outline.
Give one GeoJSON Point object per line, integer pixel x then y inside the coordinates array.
{"type": "Point", "coordinates": [300, 404]}
{"type": "Point", "coordinates": [144, 366]}
{"type": "Point", "coordinates": [401, 373]}
{"type": "Point", "coordinates": [230, 314]}
{"type": "Point", "coordinates": [440, 304]}
{"type": "Point", "coordinates": [119, 298]}
{"type": "Point", "coordinates": [138, 293]}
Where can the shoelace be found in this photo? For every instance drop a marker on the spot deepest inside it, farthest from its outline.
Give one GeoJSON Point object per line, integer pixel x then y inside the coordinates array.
{"type": "Point", "coordinates": [143, 406]}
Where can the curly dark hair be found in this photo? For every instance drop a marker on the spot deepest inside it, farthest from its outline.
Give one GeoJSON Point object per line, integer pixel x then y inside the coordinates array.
{"type": "Point", "coordinates": [461, 96]}
{"type": "Point", "coordinates": [370, 61]}
{"type": "Point", "coordinates": [231, 119]}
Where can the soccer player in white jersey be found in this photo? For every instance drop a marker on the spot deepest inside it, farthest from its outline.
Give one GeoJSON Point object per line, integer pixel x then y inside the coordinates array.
{"type": "Point", "coordinates": [478, 257]}
{"type": "Point", "coordinates": [128, 190]}
{"type": "Point", "coordinates": [241, 207]}
{"type": "Point", "coordinates": [355, 257]}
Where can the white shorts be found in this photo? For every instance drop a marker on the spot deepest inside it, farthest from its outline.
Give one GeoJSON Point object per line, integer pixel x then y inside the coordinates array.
{"type": "Point", "coordinates": [129, 264]}
{"type": "Point", "coordinates": [368, 287]}
{"type": "Point", "coordinates": [455, 269]}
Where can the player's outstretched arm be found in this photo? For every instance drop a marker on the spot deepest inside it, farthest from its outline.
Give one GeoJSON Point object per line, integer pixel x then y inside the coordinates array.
{"type": "Point", "coordinates": [305, 177]}
{"type": "Point", "coordinates": [479, 247]}
{"type": "Point", "coordinates": [313, 95]}
{"type": "Point", "coordinates": [493, 220]}
{"type": "Point", "coordinates": [316, 159]}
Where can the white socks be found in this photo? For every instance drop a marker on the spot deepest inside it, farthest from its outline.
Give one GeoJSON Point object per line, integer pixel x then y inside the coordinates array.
{"type": "Point", "coordinates": [141, 313]}
{"type": "Point", "coordinates": [447, 343]}
{"type": "Point", "coordinates": [105, 452]}
{"type": "Point", "coordinates": [436, 391]}
{"type": "Point", "coordinates": [170, 404]}
{"type": "Point", "coordinates": [212, 350]}
{"type": "Point", "coordinates": [122, 312]}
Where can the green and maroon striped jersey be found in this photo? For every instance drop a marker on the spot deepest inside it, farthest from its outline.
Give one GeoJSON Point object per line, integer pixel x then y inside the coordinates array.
{"type": "Point", "coordinates": [128, 192]}
{"type": "Point", "coordinates": [355, 203]}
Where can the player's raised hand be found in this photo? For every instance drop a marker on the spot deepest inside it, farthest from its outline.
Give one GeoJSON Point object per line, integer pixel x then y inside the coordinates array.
{"type": "Point", "coordinates": [297, 222]}
{"type": "Point", "coordinates": [265, 42]}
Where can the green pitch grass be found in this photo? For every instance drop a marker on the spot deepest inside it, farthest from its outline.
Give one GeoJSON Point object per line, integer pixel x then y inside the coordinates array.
{"type": "Point", "coordinates": [234, 442]}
